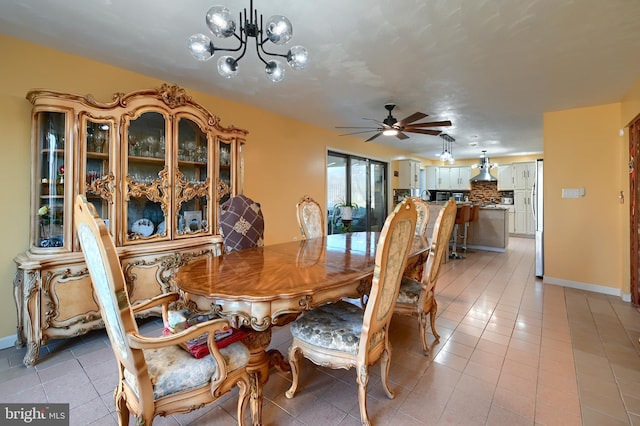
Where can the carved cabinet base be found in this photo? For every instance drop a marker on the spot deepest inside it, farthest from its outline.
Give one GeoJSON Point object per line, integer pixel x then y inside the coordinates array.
{"type": "Point", "coordinates": [54, 296]}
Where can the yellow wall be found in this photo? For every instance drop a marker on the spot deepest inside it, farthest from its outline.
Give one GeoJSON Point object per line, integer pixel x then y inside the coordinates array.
{"type": "Point", "coordinates": [584, 238]}
{"type": "Point", "coordinates": [284, 159]}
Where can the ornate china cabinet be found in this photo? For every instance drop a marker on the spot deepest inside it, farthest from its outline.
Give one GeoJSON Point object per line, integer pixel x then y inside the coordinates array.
{"type": "Point", "coordinates": [155, 164]}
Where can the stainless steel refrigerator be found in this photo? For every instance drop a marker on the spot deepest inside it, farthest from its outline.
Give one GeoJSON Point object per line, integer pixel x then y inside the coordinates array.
{"type": "Point", "coordinates": [538, 216]}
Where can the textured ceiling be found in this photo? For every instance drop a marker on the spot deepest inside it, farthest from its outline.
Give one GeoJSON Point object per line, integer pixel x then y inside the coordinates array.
{"type": "Point", "coordinates": [492, 67]}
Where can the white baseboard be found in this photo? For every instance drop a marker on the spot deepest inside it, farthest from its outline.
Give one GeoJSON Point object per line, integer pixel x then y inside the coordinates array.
{"type": "Point", "coordinates": [603, 289]}
{"type": "Point", "coordinates": [487, 248]}
{"type": "Point", "coordinates": [8, 342]}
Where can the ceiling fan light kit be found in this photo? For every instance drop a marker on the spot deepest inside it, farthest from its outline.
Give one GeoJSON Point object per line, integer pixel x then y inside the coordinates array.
{"type": "Point", "coordinates": [278, 30]}
{"type": "Point", "coordinates": [390, 126]}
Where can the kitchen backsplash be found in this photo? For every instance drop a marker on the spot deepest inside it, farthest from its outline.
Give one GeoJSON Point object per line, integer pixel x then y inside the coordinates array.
{"type": "Point", "coordinates": [487, 193]}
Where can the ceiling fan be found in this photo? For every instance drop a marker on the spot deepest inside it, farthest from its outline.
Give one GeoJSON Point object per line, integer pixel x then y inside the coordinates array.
{"type": "Point", "coordinates": [390, 126]}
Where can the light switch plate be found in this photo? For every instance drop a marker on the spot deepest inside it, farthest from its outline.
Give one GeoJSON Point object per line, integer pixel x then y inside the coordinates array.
{"type": "Point", "coordinates": [570, 193]}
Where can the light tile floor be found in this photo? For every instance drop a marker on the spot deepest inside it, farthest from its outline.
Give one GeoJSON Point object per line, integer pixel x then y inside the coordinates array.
{"type": "Point", "coordinates": [513, 351]}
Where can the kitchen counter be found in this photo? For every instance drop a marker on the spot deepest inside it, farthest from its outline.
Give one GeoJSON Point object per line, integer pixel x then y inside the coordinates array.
{"type": "Point", "coordinates": [491, 230]}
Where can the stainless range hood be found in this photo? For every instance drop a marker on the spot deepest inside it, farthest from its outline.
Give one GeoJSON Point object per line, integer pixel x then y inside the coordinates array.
{"type": "Point", "coordinates": [484, 167]}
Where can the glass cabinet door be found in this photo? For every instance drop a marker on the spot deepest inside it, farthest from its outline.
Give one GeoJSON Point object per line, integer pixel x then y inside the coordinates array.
{"type": "Point", "coordinates": [225, 171]}
{"type": "Point", "coordinates": [147, 195]}
{"type": "Point", "coordinates": [50, 134]}
{"type": "Point", "coordinates": [192, 181]}
{"type": "Point", "coordinates": [99, 180]}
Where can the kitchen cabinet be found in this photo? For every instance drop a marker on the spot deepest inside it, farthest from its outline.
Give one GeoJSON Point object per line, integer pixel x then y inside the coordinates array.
{"type": "Point", "coordinates": [511, 216]}
{"type": "Point", "coordinates": [156, 166]}
{"type": "Point", "coordinates": [453, 178]}
{"type": "Point", "coordinates": [444, 178]}
{"type": "Point", "coordinates": [524, 223]}
{"type": "Point", "coordinates": [505, 178]}
{"type": "Point", "coordinates": [459, 178]}
{"type": "Point", "coordinates": [524, 175]}
{"type": "Point", "coordinates": [431, 177]}
{"type": "Point", "coordinates": [409, 174]}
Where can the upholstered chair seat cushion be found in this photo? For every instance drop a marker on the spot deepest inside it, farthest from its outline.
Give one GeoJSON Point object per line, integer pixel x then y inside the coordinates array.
{"type": "Point", "coordinates": [173, 370]}
{"type": "Point", "coordinates": [241, 223]}
{"type": "Point", "coordinates": [335, 326]}
{"type": "Point", "coordinates": [409, 291]}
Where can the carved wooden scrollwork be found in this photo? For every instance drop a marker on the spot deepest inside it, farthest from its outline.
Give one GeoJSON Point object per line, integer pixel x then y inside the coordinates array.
{"type": "Point", "coordinates": [51, 311]}
{"type": "Point", "coordinates": [103, 187]}
{"type": "Point", "coordinates": [213, 308]}
{"type": "Point", "coordinates": [222, 189]}
{"type": "Point", "coordinates": [305, 303]}
{"type": "Point", "coordinates": [258, 340]}
{"type": "Point", "coordinates": [172, 95]}
{"type": "Point", "coordinates": [186, 191]}
{"type": "Point", "coordinates": [364, 287]}
{"type": "Point", "coordinates": [157, 191]}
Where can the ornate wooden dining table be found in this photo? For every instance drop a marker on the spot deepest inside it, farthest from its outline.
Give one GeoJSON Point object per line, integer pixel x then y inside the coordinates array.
{"type": "Point", "coordinates": [262, 287]}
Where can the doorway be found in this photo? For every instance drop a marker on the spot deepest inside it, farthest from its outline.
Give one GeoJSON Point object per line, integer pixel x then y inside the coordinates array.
{"type": "Point", "coordinates": [634, 217]}
{"type": "Point", "coordinates": [361, 183]}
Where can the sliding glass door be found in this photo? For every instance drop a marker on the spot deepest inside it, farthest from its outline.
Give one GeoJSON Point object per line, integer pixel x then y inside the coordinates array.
{"type": "Point", "coordinates": [360, 183]}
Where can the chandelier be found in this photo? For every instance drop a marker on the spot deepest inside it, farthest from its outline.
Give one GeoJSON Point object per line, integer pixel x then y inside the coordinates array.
{"type": "Point", "coordinates": [278, 30]}
{"type": "Point", "coordinates": [447, 149]}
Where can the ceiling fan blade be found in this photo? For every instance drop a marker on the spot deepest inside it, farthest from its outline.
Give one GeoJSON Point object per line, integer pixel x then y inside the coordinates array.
{"type": "Point", "coordinates": [424, 131]}
{"type": "Point", "coordinates": [430, 124]}
{"type": "Point", "coordinates": [357, 133]}
{"type": "Point", "coordinates": [413, 117]}
{"type": "Point", "coordinates": [356, 127]}
{"type": "Point", "coordinates": [401, 135]}
{"type": "Point", "coordinates": [373, 137]}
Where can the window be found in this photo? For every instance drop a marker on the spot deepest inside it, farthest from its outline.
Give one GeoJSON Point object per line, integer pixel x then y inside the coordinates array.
{"type": "Point", "coordinates": [361, 182]}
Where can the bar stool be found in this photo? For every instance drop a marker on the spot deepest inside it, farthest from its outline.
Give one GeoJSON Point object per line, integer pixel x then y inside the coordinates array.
{"type": "Point", "coordinates": [473, 217]}
{"type": "Point", "coordinates": [462, 218]}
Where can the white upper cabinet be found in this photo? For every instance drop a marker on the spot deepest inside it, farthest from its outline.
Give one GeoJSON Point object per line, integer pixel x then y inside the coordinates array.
{"type": "Point", "coordinates": [523, 175]}
{"type": "Point", "coordinates": [431, 175]}
{"type": "Point", "coordinates": [460, 178]}
{"type": "Point", "coordinates": [505, 178]}
{"type": "Point", "coordinates": [448, 178]}
{"type": "Point", "coordinates": [409, 174]}
{"type": "Point", "coordinates": [444, 178]}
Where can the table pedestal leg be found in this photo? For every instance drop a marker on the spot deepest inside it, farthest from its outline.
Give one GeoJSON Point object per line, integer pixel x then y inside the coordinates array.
{"type": "Point", "coordinates": [258, 369]}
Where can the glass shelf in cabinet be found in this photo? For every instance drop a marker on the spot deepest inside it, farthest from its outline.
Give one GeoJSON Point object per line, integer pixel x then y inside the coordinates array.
{"type": "Point", "coordinates": [58, 151]}
{"type": "Point", "coordinates": [97, 155]}
{"type": "Point", "coordinates": [194, 163]}
{"type": "Point", "coordinates": [148, 160]}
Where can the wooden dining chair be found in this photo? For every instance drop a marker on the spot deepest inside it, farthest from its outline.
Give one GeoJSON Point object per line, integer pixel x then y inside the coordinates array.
{"type": "Point", "coordinates": [417, 297]}
{"type": "Point", "coordinates": [342, 335]}
{"type": "Point", "coordinates": [157, 377]}
{"type": "Point", "coordinates": [422, 210]}
{"type": "Point", "coordinates": [310, 218]}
